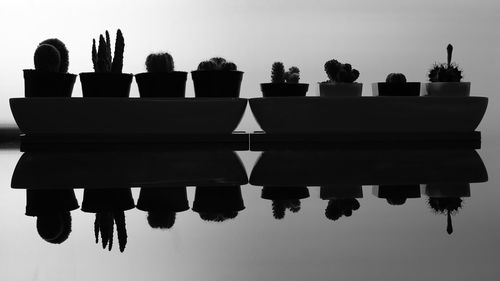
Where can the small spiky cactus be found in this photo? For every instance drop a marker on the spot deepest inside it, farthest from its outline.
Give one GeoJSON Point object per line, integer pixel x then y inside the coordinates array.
{"type": "Point", "coordinates": [47, 58]}
{"type": "Point", "coordinates": [449, 206]}
{"type": "Point", "coordinates": [160, 62]}
{"type": "Point", "coordinates": [340, 73]}
{"type": "Point", "coordinates": [397, 78]}
{"type": "Point", "coordinates": [446, 72]}
{"type": "Point", "coordinates": [101, 56]}
{"type": "Point", "coordinates": [278, 74]}
{"type": "Point", "coordinates": [63, 53]}
{"type": "Point", "coordinates": [217, 63]}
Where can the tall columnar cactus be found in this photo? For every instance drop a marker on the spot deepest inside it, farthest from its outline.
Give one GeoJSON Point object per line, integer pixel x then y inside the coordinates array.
{"type": "Point", "coordinates": [63, 53]}
{"type": "Point", "coordinates": [398, 78]}
{"type": "Point", "coordinates": [101, 56]}
{"type": "Point", "coordinates": [47, 58]}
{"type": "Point", "coordinates": [340, 73]}
{"type": "Point", "coordinates": [446, 72]}
{"type": "Point", "coordinates": [217, 63]}
{"type": "Point", "coordinates": [278, 74]}
{"type": "Point", "coordinates": [160, 62]}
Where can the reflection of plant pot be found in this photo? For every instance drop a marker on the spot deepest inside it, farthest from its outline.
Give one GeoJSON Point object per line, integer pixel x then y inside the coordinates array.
{"type": "Point", "coordinates": [447, 190]}
{"type": "Point", "coordinates": [48, 84]}
{"type": "Point", "coordinates": [284, 89]}
{"type": "Point", "coordinates": [408, 89]}
{"type": "Point", "coordinates": [107, 200]}
{"type": "Point", "coordinates": [340, 89]}
{"type": "Point", "coordinates": [284, 193]}
{"type": "Point", "coordinates": [397, 194]}
{"type": "Point", "coordinates": [43, 202]}
{"type": "Point", "coordinates": [448, 89]}
{"type": "Point", "coordinates": [106, 84]}
{"type": "Point", "coordinates": [162, 84]}
{"type": "Point", "coordinates": [215, 199]}
{"type": "Point", "coordinates": [217, 83]}
{"type": "Point", "coordinates": [341, 191]}
{"type": "Point", "coordinates": [163, 199]}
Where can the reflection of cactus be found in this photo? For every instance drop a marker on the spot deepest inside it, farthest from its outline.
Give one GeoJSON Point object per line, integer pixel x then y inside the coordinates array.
{"type": "Point", "coordinates": [161, 220]}
{"type": "Point", "coordinates": [341, 207]}
{"type": "Point", "coordinates": [101, 57]}
{"type": "Point", "coordinates": [218, 216]}
{"type": "Point", "coordinates": [396, 78]}
{"type": "Point", "coordinates": [280, 207]}
{"type": "Point", "coordinates": [47, 58]}
{"type": "Point", "coordinates": [340, 73]}
{"type": "Point", "coordinates": [104, 224]}
{"type": "Point", "coordinates": [160, 62]}
{"type": "Point", "coordinates": [448, 206]}
{"type": "Point", "coordinates": [217, 63]}
{"type": "Point", "coordinates": [63, 53]}
{"type": "Point", "coordinates": [446, 72]}
{"type": "Point", "coordinates": [278, 74]}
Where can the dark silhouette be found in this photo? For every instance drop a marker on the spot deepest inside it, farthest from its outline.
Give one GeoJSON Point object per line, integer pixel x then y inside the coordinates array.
{"type": "Point", "coordinates": [283, 198]}
{"type": "Point", "coordinates": [446, 199]}
{"type": "Point", "coordinates": [217, 78]}
{"type": "Point", "coordinates": [218, 203]}
{"type": "Point", "coordinates": [284, 83]}
{"type": "Point", "coordinates": [109, 206]}
{"type": "Point", "coordinates": [397, 194]}
{"type": "Point", "coordinates": [396, 85]}
{"type": "Point", "coordinates": [52, 209]}
{"type": "Point", "coordinates": [341, 200]}
{"type": "Point", "coordinates": [162, 204]}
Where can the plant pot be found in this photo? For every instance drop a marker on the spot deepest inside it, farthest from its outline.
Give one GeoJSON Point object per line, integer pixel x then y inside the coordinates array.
{"type": "Point", "coordinates": [284, 89]}
{"type": "Point", "coordinates": [340, 89]}
{"type": "Point", "coordinates": [106, 84]}
{"type": "Point", "coordinates": [162, 84]}
{"type": "Point", "coordinates": [217, 83]}
{"type": "Point", "coordinates": [408, 89]}
{"type": "Point", "coordinates": [48, 84]}
{"type": "Point", "coordinates": [448, 89]}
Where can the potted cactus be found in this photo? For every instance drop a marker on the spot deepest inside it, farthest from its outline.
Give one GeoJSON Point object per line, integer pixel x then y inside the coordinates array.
{"type": "Point", "coordinates": [161, 80]}
{"type": "Point", "coordinates": [341, 81]}
{"type": "Point", "coordinates": [217, 78]}
{"type": "Point", "coordinates": [396, 85]}
{"type": "Point", "coordinates": [284, 83]}
{"type": "Point", "coordinates": [50, 77]}
{"type": "Point", "coordinates": [107, 80]}
{"type": "Point", "coordinates": [445, 79]}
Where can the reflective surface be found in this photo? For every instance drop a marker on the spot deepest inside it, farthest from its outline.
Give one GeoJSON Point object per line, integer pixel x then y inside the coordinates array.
{"type": "Point", "coordinates": [346, 214]}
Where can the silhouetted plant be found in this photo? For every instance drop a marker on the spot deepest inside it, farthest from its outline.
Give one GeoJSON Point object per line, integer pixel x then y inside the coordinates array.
{"type": "Point", "coordinates": [51, 55]}
{"type": "Point", "coordinates": [448, 206]}
{"type": "Point", "coordinates": [161, 219]}
{"type": "Point", "coordinates": [54, 228]}
{"type": "Point", "coordinates": [341, 207]}
{"type": "Point", "coordinates": [104, 224]}
{"type": "Point", "coordinates": [280, 207]}
{"type": "Point", "coordinates": [446, 72]}
{"type": "Point", "coordinates": [340, 73]}
{"type": "Point", "coordinates": [160, 62]}
{"type": "Point", "coordinates": [278, 74]}
{"type": "Point", "coordinates": [397, 78]}
{"type": "Point", "coordinates": [101, 57]}
{"type": "Point", "coordinates": [217, 63]}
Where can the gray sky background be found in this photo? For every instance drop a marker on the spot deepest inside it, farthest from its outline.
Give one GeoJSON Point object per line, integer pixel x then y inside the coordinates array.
{"type": "Point", "coordinates": [376, 37]}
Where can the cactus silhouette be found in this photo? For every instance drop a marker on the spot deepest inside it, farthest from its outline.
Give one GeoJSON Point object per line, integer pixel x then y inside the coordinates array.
{"type": "Point", "coordinates": [47, 58]}
{"type": "Point", "coordinates": [63, 53]}
{"type": "Point", "coordinates": [397, 78]}
{"type": "Point", "coordinates": [101, 56]}
{"type": "Point", "coordinates": [446, 72]}
{"type": "Point", "coordinates": [278, 74]}
{"type": "Point", "coordinates": [340, 73]}
{"type": "Point", "coordinates": [160, 62]}
{"type": "Point", "coordinates": [217, 63]}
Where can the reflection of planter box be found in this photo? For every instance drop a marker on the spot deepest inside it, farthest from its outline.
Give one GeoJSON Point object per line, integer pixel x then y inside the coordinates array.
{"type": "Point", "coordinates": [340, 89]}
{"type": "Point", "coordinates": [217, 83]}
{"type": "Point", "coordinates": [48, 84]}
{"type": "Point", "coordinates": [284, 89]}
{"type": "Point", "coordinates": [448, 89]}
{"type": "Point", "coordinates": [447, 190]}
{"type": "Point", "coordinates": [106, 84]}
{"type": "Point", "coordinates": [343, 191]}
{"type": "Point", "coordinates": [408, 89]}
{"type": "Point", "coordinates": [162, 84]}
{"type": "Point", "coordinates": [172, 199]}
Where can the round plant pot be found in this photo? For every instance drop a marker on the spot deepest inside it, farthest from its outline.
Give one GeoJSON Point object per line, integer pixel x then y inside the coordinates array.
{"type": "Point", "coordinates": [162, 84]}
{"type": "Point", "coordinates": [340, 89]}
{"type": "Point", "coordinates": [408, 89]}
{"type": "Point", "coordinates": [217, 83]}
{"type": "Point", "coordinates": [448, 89]}
{"type": "Point", "coordinates": [106, 84]}
{"type": "Point", "coordinates": [48, 84]}
{"type": "Point", "coordinates": [284, 89]}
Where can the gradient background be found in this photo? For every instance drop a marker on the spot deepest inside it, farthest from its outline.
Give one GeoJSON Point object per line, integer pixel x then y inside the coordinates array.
{"type": "Point", "coordinates": [376, 37]}
{"type": "Point", "coordinates": [379, 242]}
